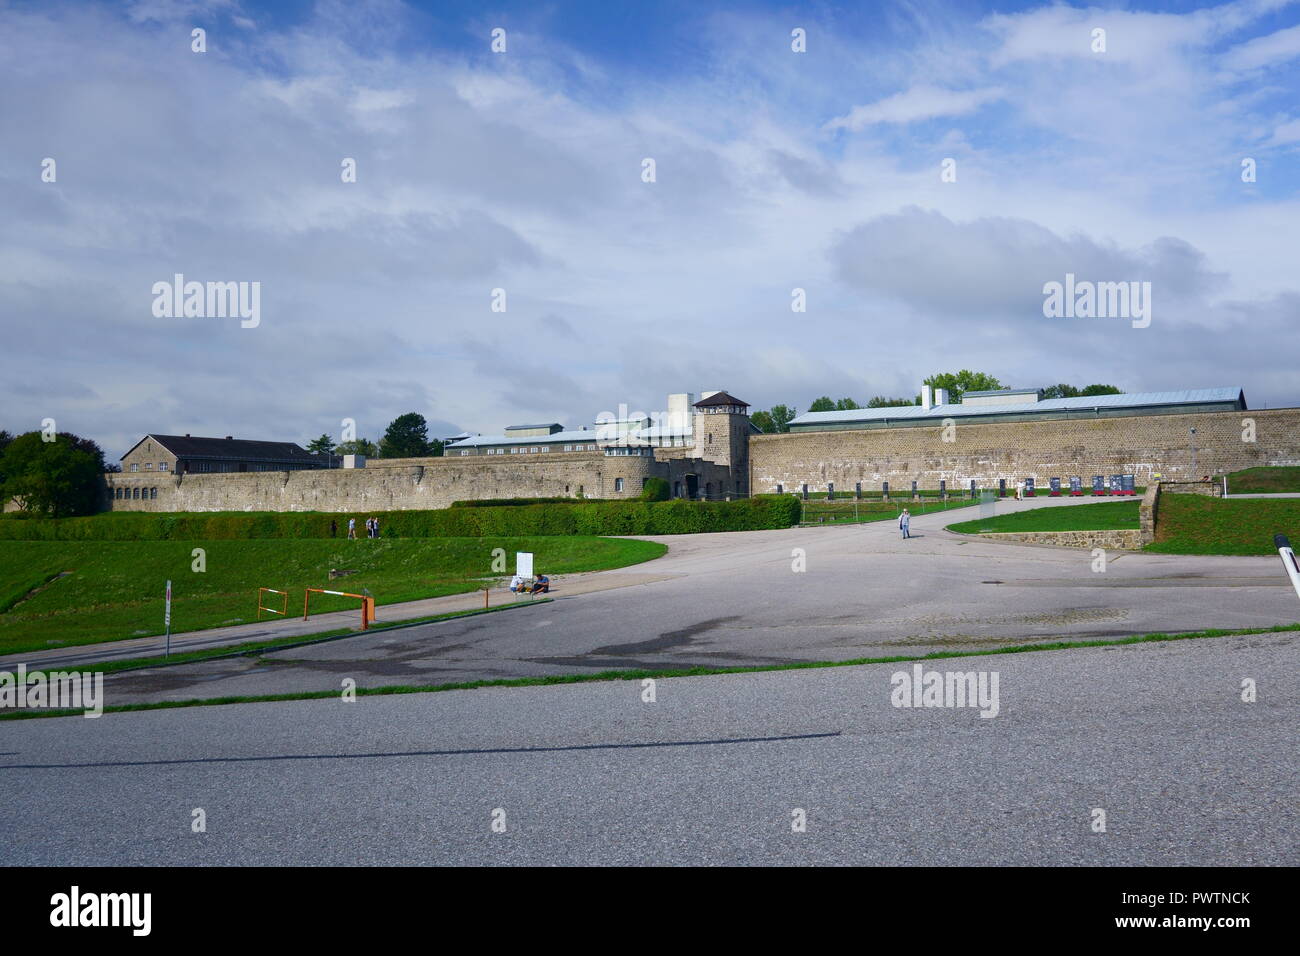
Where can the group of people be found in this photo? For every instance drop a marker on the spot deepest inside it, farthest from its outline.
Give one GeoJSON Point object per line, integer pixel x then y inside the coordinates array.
{"type": "Point", "coordinates": [372, 528]}
{"type": "Point", "coordinates": [541, 585]}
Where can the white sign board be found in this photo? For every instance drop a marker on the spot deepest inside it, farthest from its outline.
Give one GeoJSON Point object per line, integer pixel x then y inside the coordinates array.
{"type": "Point", "coordinates": [524, 564]}
{"type": "Point", "coordinates": [167, 614]}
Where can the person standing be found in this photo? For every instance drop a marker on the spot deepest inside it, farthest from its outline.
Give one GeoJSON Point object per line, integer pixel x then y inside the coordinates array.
{"type": "Point", "coordinates": [904, 523]}
{"type": "Point", "coordinates": [334, 528]}
{"type": "Point", "coordinates": [352, 529]}
{"type": "Point", "coordinates": [375, 526]}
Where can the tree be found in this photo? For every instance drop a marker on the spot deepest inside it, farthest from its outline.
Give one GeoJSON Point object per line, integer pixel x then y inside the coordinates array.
{"type": "Point", "coordinates": [823, 404]}
{"type": "Point", "coordinates": [1060, 391]}
{"type": "Point", "coordinates": [358, 446]}
{"type": "Point", "coordinates": [52, 478]}
{"type": "Point", "coordinates": [407, 437]}
{"type": "Point", "coordinates": [880, 401]}
{"type": "Point", "coordinates": [656, 489]}
{"type": "Point", "coordinates": [958, 383]}
{"type": "Point", "coordinates": [773, 422]}
{"type": "Point", "coordinates": [846, 405]}
{"type": "Point", "coordinates": [1100, 390]}
{"type": "Point", "coordinates": [321, 446]}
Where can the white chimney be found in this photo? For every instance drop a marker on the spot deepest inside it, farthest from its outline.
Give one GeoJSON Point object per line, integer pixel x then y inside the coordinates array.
{"type": "Point", "coordinates": [925, 398]}
{"type": "Point", "coordinates": [940, 396]}
{"type": "Point", "coordinates": [705, 394]}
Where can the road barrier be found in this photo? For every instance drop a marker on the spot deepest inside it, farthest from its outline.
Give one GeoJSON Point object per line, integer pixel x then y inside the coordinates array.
{"type": "Point", "coordinates": [367, 603]}
{"type": "Point", "coordinates": [270, 610]}
{"type": "Point", "coordinates": [1288, 560]}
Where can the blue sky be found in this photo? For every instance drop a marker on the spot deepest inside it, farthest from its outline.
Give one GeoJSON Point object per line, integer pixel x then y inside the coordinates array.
{"type": "Point", "coordinates": [776, 170]}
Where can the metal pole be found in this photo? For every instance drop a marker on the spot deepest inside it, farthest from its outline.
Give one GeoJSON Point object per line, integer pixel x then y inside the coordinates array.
{"type": "Point", "coordinates": [167, 620]}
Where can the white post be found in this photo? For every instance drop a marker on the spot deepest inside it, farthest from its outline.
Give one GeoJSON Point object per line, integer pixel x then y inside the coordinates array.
{"type": "Point", "coordinates": [167, 620]}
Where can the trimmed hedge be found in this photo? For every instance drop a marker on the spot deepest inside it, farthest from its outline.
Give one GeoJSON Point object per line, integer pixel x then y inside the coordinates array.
{"type": "Point", "coordinates": [587, 518]}
{"type": "Point", "coordinates": [510, 502]}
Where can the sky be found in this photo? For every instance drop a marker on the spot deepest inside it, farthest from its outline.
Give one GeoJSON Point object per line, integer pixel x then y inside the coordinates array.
{"type": "Point", "coordinates": [920, 171]}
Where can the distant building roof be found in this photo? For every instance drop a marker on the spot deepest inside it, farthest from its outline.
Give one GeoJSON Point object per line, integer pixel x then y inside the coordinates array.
{"type": "Point", "coordinates": [720, 398]}
{"type": "Point", "coordinates": [1002, 391]}
{"type": "Point", "coordinates": [187, 446]}
{"type": "Point", "coordinates": [555, 425]}
{"type": "Point", "coordinates": [1153, 403]}
{"type": "Point", "coordinates": [571, 436]}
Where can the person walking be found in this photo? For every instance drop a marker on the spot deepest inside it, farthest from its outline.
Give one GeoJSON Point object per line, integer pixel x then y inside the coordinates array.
{"type": "Point", "coordinates": [904, 521]}
{"type": "Point", "coordinates": [352, 529]}
{"type": "Point", "coordinates": [334, 528]}
{"type": "Point", "coordinates": [375, 526]}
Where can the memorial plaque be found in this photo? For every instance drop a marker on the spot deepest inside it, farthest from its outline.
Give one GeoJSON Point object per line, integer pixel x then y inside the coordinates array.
{"type": "Point", "coordinates": [1029, 487]}
{"type": "Point", "coordinates": [1076, 485]}
{"type": "Point", "coordinates": [1128, 484]}
{"type": "Point", "coordinates": [1098, 484]}
{"type": "Point", "coordinates": [1055, 485]}
{"type": "Point", "coordinates": [1116, 484]}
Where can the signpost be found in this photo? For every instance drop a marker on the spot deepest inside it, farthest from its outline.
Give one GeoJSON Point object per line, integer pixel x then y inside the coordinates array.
{"type": "Point", "coordinates": [167, 620]}
{"type": "Point", "coordinates": [524, 564]}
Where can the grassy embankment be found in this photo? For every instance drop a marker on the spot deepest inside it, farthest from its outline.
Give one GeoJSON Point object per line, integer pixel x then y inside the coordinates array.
{"type": "Point", "coordinates": [115, 588]}
{"type": "Point", "coordinates": [1264, 481]}
{"type": "Point", "coordinates": [1196, 524]}
{"type": "Point", "coordinates": [852, 511]}
{"type": "Point", "coordinates": [1089, 516]}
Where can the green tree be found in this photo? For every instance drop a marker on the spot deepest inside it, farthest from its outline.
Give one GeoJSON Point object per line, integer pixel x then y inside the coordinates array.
{"type": "Point", "coordinates": [656, 489]}
{"type": "Point", "coordinates": [823, 404]}
{"type": "Point", "coordinates": [358, 446]}
{"type": "Point", "coordinates": [407, 437]}
{"type": "Point", "coordinates": [775, 421]}
{"type": "Point", "coordinates": [880, 401]}
{"type": "Point", "coordinates": [846, 405]}
{"type": "Point", "coordinates": [321, 446]}
{"type": "Point", "coordinates": [958, 383]}
{"type": "Point", "coordinates": [1100, 390]}
{"type": "Point", "coordinates": [52, 478]}
{"type": "Point", "coordinates": [1060, 391]}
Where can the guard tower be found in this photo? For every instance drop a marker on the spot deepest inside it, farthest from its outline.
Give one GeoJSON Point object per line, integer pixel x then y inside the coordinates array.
{"type": "Point", "coordinates": [722, 431]}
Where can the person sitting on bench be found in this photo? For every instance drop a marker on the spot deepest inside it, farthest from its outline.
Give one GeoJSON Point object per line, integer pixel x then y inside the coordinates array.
{"type": "Point", "coordinates": [542, 585]}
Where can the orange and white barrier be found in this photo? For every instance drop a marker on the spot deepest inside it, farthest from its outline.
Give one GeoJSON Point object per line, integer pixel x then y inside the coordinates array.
{"type": "Point", "coordinates": [367, 604]}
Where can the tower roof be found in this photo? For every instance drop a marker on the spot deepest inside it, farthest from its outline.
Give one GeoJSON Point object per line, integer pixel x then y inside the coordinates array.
{"type": "Point", "coordinates": [720, 398]}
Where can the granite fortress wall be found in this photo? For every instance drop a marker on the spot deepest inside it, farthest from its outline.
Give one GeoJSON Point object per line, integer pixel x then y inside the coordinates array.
{"type": "Point", "coordinates": [409, 483]}
{"type": "Point", "coordinates": [1054, 448]}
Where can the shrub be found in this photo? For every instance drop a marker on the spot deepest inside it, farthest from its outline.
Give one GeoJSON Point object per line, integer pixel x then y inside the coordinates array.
{"type": "Point", "coordinates": [563, 518]}
{"type": "Point", "coordinates": [656, 489]}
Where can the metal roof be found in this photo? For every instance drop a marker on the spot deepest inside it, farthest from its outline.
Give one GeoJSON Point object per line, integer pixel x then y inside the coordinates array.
{"type": "Point", "coordinates": [1187, 396]}
{"type": "Point", "coordinates": [187, 446]}
{"type": "Point", "coordinates": [481, 441]}
{"type": "Point", "coordinates": [511, 428]}
{"type": "Point", "coordinates": [1002, 391]}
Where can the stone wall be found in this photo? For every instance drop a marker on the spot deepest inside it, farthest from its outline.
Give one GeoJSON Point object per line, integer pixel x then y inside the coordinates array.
{"type": "Point", "coordinates": [412, 483]}
{"type": "Point", "coordinates": [1127, 540]}
{"type": "Point", "coordinates": [1139, 445]}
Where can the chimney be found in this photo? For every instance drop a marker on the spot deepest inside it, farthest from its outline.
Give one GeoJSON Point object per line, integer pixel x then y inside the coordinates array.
{"type": "Point", "coordinates": [925, 398]}
{"type": "Point", "coordinates": [940, 396]}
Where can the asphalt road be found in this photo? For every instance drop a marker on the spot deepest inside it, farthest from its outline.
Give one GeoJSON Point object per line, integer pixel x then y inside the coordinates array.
{"type": "Point", "coordinates": [725, 600]}
{"type": "Point", "coordinates": [1156, 735]}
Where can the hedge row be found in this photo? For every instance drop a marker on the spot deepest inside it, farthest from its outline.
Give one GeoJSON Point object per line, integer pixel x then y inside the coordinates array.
{"type": "Point", "coordinates": [512, 502]}
{"type": "Point", "coordinates": [586, 518]}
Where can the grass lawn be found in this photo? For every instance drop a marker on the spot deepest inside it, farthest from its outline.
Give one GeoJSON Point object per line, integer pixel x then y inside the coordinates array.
{"type": "Point", "coordinates": [1264, 481]}
{"type": "Point", "coordinates": [1197, 524]}
{"type": "Point", "coordinates": [848, 511]}
{"type": "Point", "coordinates": [1092, 516]}
{"type": "Point", "coordinates": [115, 588]}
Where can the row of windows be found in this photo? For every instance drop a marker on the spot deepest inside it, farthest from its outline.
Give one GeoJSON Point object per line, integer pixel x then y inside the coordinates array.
{"type": "Point", "coordinates": [134, 493]}
{"type": "Point", "coordinates": [148, 466]}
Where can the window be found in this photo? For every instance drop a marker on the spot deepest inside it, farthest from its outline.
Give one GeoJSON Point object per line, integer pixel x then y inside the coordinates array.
{"type": "Point", "coordinates": [135, 494]}
{"type": "Point", "coordinates": [162, 466]}
{"type": "Point", "coordinates": [135, 466]}
{"type": "Point", "coordinates": [780, 489]}
{"type": "Point", "coordinates": [148, 466]}
{"type": "Point", "coordinates": [568, 448]}
{"type": "Point", "coordinates": [514, 451]}
{"type": "Point", "coordinates": [464, 453]}
{"type": "Point", "coordinates": [618, 484]}
{"type": "Point", "coordinates": [535, 450]}
{"type": "Point", "coordinates": [153, 492]}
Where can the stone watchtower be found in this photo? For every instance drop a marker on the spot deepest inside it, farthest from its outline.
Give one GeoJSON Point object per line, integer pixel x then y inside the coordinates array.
{"type": "Point", "coordinates": [722, 432]}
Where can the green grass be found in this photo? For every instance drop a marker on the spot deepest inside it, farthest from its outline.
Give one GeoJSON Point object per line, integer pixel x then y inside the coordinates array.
{"type": "Point", "coordinates": [656, 674]}
{"type": "Point", "coordinates": [1091, 516]}
{"type": "Point", "coordinates": [860, 512]}
{"type": "Point", "coordinates": [115, 590]}
{"type": "Point", "coordinates": [1198, 524]}
{"type": "Point", "coordinates": [1264, 481]}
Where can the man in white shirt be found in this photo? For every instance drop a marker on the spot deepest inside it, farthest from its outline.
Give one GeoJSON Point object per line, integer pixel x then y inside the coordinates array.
{"type": "Point", "coordinates": [517, 584]}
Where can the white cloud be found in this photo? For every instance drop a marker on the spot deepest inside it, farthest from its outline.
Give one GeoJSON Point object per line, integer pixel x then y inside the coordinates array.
{"type": "Point", "coordinates": [919, 103]}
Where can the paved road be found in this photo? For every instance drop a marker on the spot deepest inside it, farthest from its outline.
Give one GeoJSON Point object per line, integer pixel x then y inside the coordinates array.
{"type": "Point", "coordinates": [1156, 735]}
{"type": "Point", "coordinates": [734, 599]}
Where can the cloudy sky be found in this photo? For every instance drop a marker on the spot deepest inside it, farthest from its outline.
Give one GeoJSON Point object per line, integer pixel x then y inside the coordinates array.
{"type": "Point", "coordinates": [523, 171]}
